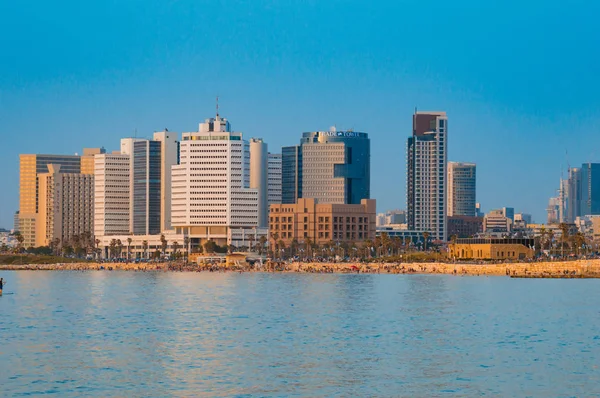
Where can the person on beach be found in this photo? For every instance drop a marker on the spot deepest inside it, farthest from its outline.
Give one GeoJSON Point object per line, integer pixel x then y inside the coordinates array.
{"type": "Point", "coordinates": [1, 285]}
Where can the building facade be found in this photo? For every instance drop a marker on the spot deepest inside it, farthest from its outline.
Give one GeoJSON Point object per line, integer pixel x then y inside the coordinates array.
{"type": "Point", "coordinates": [111, 195]}
{"type": "Point", "coordinates": [169, 157]}
{"type": "Point", "coordinates": [590, 189]}
{"type": "Point", "coordinates": [291, 174]}
{"type": "Point", "coordinates": [66, 206]}
{"type": "Point", "coordinates": [497, 222]}
{"type": "Point", "coordinates": [427, 174]}
{"type": "Point", "coordinates": [464, 226]}
{"type": "Point", "coordinates": [322, 222]}
{"type": "Point", "coordinates": [211, 192]}
{"type": "Point", "coordinates": [29, 167]}
{"type": "Point", "coordinates": [492, 249]}
{"type": "Point", "coordinates": [274, 178]}
{"type": "Point", "coordinates": [331, 166]}
{"type": "Point", "coordinates": [259, 177]}
{"type": "Point", "coordinates": [87, 159]}
{"type": "Point", "coordinates": [461, 189]}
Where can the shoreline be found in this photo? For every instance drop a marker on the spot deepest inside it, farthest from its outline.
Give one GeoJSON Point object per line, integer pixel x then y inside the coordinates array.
{"type": "Point", "coordinates": [577, 269]}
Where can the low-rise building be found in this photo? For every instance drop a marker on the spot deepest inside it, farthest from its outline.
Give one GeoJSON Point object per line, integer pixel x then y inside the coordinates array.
{"type": "Point", "coordinates": [464, 226]}
{"type": "Point", "coordinates": [322, 222]}
{"type": "Point", "coordinates": [492, 249]}
{"type": "Point", "coordinates": [497, 222]}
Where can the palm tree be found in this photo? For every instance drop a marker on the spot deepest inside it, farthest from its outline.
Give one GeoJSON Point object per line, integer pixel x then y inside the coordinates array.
{"type": "Point", "coordinates": [425, 237]}
{"type": "Point", "coordinates": [145, 248]}
{"type": "Point", "coordinates": [251, 240]}
{"type": "Point", "coordinates": [119, 247]}
{"type": "Point", "coordinates": [294, 246]}
{"type": "Point", "coordinates": [97, 242]}
{"type": "Point", "coordinates": [281, 248]}
{"type": "Point", "coordinates": [275, 237]}
{"type": "Point", "coordinates": [175, 249]}
{"type": "Point", "coordinates": [186, 243]}
{"type": "Point", "coordinates": [20, 240]}
{"type": "Point", "coordinates": [113, 247]}
{"type": "Point", "coordinates": [163, 244]}
{"type": "Point", "coordinates": [565, 236]}
{"type": "Point", "coordinates": [129, 240]}
{"type": "Point", "coordinates": [385, 242]}
{"type": "Point", "coordinates": [262, 240]}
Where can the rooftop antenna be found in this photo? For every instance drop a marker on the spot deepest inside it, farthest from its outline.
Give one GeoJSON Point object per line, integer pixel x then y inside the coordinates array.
{"type": "Point", "coordinates": [217, 106]}
{"type": "Point", "coordinates": [134, 133]}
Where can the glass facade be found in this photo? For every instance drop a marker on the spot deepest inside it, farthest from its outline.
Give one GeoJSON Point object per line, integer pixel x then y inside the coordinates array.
{"type": "Point", "coordinates": [590, 189]}
{"type": "Point", "coordinates": [330, 166]}
{"type": "Point", "coordinates": [146, 200]}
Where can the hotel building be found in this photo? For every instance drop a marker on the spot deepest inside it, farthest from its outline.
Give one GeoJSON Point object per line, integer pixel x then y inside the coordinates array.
{"type": "Point", "coordinates": [211, 186]}
{"type": "Point", "coordinates": [65, 206]}
{"type": "Point", "coordinates": [111, 195]}
{"type": "Point", "coordinates": [322, 222]}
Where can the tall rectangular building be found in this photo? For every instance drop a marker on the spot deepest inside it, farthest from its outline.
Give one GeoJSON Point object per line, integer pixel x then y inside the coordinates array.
{"type": "Point", "coordinates": [590, 189]}
{"type": "Point", "coordinates": [574, 191]}
{"type": "Point", "coordinates": [66, 206]}
{"type": "Point", "coordinates": [169, 157]}
{"type": "Point", "coordinates": [274, 178]}
{"type": "Point", "coordinates": [30, 166]}
{"type": "Point", "coordinates": [87, 159]}
{"type": "Point", "coordinates": [331, 166]}
{"type": "Point", "coordinates": [461, 189]}
{"type": "Point", "coordinates": [427, 174]}
{"type": "Point", "coordinates": [111, 195]}
{"type": "Point", "coordinates": [291, 174]}
{"type": "Point", "coordinates": [211, 193]}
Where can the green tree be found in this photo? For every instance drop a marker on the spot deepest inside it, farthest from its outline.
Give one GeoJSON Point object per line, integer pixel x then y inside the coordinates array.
{"type": "Point", "coordinates": [163, 244]}
{"type": "Point", "coordinates": [145, 248]}
{"type": "Point", "coordinates": [129, 240]}
{"type": "Point", "coordinates": [425, 239]}
{"type": "Point", "coordinates": [186, 243]}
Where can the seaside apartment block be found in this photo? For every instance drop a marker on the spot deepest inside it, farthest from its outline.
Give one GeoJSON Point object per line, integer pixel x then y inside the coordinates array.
{"type": "Point", "coordinates": [322, 222]}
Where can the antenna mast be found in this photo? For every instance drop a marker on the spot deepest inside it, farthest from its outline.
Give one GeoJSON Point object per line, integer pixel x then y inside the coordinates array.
{"type": "Point", "coordinates": [217, 106]}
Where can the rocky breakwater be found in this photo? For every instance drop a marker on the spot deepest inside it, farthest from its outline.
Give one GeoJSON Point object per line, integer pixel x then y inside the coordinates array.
{"type": "Point", "coordinates": [82, 267]}
{"type": "Point", "coordinates": [546, 269]}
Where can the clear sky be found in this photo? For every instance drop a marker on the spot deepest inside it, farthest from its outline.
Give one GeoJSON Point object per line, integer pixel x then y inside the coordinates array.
{"type": "Point", "coordinates": [519, 80]}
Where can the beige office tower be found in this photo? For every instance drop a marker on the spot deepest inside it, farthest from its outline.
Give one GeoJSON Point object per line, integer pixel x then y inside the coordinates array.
{"type": "Point", "coordinates": [111, 194]}
{"type": "Point", "coordinates": [66, 205]}
{"type": "Point", "coordinates": [258, 177]}
{"type": "Point", "coordinates": [87, 159]}
{"type": "Point", "coordinates": [30, 166]}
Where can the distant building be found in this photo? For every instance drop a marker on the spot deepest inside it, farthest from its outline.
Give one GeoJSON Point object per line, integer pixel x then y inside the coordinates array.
{"type": "Point", "coordinates": [590, 189]}
{"type": "Point", "coordinates": [461, 189]}
{"type": "Point", "coordinates": [30, 166]}
{"type": "Point", "coordinates": [331, 166]}
{"type": "Point", "coordinates": [274, 178]}
{"type": "Point", "coordinates": [509, 212]}
{"type": "Point", "coordinates": [492, 249]}
{"type": "Point", "coordinates": [464, 226]}
{"type": "Point", "coordinates": [87, 159]}
{"type": "Point", "coordinates": [478, 211]}
{"type": "Point", "coordinates": [322, 222]}
{"type": "Point", "coordinates": [66, 206]}
{"type": "Point", "coordinates": [497, 222]}
{"type": "Point", "coordinates": [391, 217]}
{"type": "Point", "coordinates": [411, 238]}
{"type": "Point", "coordinates": [259, 174]}
{"type": "Point", "coordinates": [16, 222]}
{"type": "Point", "coordinates": [427, 174]}
{"type": "Point", "coordinates": [573, 194]}
{"type": "Point", "coordinates": [523, 217]}
{"type": "Point", "coordinates": [553, 211]}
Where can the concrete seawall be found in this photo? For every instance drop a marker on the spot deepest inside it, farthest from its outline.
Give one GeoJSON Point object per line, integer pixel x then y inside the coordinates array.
{"type": "Point", "coordinates": [561, 269]}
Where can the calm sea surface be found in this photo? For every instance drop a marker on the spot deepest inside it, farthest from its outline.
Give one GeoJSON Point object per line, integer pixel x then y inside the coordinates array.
{"type": "Point", "coordinates": [118, 334]}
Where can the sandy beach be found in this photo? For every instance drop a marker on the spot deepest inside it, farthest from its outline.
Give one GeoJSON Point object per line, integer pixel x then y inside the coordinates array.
{"type": "Point", "coordinates": [559, 269]}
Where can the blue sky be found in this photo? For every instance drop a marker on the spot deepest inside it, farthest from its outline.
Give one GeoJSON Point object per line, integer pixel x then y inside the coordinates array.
{"type": "Point", "coordinates": [519, 80]}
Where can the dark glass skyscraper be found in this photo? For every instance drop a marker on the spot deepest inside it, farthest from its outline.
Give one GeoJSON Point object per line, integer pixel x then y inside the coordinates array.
{"type": "Point", "coordinates": [146, 175]}
{"type": "Point", "coordinates": [330, 166]}
{"type": "Point", "coordinates": [590, 189]}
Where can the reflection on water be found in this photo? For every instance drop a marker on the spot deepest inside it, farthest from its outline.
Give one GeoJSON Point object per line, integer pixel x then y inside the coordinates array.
{"type": "Point", "coordinates": [179, 334]}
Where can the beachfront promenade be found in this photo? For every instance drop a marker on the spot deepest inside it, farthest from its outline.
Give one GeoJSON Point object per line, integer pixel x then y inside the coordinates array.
{"type": "Point", "coordinates": [559, 269]}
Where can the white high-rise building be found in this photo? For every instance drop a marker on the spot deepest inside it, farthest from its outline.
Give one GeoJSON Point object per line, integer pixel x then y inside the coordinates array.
{"type": "Point", "coordinates": [427, 174]}
{"type": "Point", "coordinates": [111, 195]}
{"type": "Point", "coordinates": [274, 177]}
{"type": "Point", "coordinates": [169, 157]}
{"type": "Point", "coordinates": [210, 186]}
